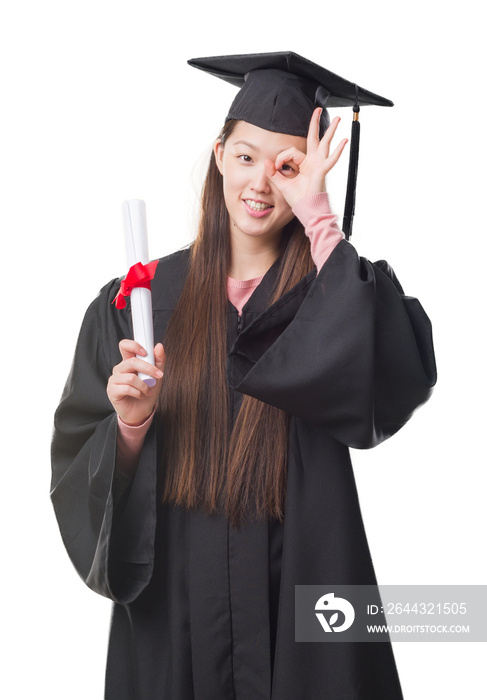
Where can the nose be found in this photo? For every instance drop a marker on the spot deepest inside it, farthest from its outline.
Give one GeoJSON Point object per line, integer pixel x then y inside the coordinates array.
{"type": "Point", "coordinates": [260, 182]}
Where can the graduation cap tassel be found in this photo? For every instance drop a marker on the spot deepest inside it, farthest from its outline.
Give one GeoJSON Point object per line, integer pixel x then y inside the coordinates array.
{"type": "Point", "coordinates": [352, 172]}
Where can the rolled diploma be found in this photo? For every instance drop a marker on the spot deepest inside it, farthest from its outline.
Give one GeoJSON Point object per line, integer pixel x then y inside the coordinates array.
{"type": "Point", "coordinates": [135, 228]}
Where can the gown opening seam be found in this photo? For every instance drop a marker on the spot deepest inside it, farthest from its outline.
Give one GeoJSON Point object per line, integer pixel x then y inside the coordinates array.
{"type": "Point", "coordinates": [230, 606]}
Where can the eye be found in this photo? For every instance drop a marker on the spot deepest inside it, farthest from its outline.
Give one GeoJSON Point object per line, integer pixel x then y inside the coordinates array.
{"type": "Point", "coordinates": [288, 170]}
{"type": "Point", "coordinates": [245, 158]}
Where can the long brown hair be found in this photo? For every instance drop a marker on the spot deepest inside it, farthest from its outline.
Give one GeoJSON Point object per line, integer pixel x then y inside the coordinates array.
{"type": "Point", "coordinates": [207, 463]}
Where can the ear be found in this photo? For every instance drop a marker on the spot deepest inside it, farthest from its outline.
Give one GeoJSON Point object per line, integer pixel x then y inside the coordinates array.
{"type": "Point", "coordinates": [218, 151]}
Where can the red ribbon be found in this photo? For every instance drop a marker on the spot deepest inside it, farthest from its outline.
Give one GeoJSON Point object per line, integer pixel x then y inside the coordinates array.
{"type": "Point", "coordinates": [139, 275]}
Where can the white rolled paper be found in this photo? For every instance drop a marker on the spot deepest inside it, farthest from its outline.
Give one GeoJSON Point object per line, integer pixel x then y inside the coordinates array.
{"type": "Point", "coordinates": [137, 248]}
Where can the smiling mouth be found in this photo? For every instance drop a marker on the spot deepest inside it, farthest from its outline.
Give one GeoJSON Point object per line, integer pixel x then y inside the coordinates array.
{"type": "Point", "coordinates": [257, 206]}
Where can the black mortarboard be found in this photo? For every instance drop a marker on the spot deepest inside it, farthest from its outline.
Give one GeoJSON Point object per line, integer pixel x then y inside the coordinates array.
{"type": "Point", "coordinates": [279, 91]}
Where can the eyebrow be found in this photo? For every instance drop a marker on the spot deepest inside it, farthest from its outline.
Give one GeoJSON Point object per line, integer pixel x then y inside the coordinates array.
{"type": "Point", "coordinates": [246, 143]}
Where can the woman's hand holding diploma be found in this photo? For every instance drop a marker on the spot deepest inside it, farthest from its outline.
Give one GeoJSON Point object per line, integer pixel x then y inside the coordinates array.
{"type": "Point", "coordinates": [297, 174]}
{"type": "Point", "coordinates": [130, 396]}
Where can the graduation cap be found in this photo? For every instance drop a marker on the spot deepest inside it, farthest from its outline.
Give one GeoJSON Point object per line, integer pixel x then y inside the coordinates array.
{"type": "Point", "coordinates": [280, 90]}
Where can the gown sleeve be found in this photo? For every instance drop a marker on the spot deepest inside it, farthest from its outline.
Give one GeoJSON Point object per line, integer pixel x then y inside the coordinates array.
{"type": "Point", "coordinates": [107, 522]}
{"type": "Point", "coordinates": [345, 349]}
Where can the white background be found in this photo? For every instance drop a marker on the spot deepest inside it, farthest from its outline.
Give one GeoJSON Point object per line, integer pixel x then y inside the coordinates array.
{"type": "Point", "coordinates": [98, 105]}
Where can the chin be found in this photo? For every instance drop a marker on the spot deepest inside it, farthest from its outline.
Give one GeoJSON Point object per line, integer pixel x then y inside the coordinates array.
{"type": "Point", "coordinates": [254, 230]}
{"type": "Point", "coordinates": [268, 234]}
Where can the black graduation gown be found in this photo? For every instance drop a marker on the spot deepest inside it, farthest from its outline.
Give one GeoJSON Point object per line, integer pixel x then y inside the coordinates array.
{"type": "Point", "coordinates": [204, 612]}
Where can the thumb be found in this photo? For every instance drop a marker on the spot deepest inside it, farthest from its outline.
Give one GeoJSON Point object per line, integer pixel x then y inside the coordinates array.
{"type": "Point", "coordinates": [159, 357]}
{"type": "Point", "coordinates": [274, 175]}
{"type": "Point", "coordinates": [270, 168]}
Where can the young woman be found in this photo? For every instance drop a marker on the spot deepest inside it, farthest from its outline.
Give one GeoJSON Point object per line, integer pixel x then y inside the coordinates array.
{"type": "Point", "coordinates": [199, 504]}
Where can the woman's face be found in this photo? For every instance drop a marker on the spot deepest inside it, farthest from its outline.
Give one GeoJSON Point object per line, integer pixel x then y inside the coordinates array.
{"type": "Point", "coordinates": [255, 205]}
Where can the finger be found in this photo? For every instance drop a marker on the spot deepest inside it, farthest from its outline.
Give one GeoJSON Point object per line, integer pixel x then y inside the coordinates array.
{"type": "Point", "coordinates": [275, 176]}
{"type": "Point", "coordinates": [118, 385]}
{"type": "Point", "coordinates": [324, 146]}
{"type": "Point", "coordinates": [116, 394]}
{"type": "Point", "coordinates": [160, 357]}
{"type": "Point", "coordinates": [290, 155]}
{"type": "Point", "coordinates": [270, 169]}
{"type": "Point", "coordinates": [130, 348]}
{"type": "Point", "coordinates": [333, 159]}
{"type": "Point", "coordinates": [134, 364]}
{"type": "Point", "coordinates": [313, 138]}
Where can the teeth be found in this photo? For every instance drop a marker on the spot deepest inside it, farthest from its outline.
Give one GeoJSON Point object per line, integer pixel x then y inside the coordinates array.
{"type": "Point", "coordinates": [257, 206]}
